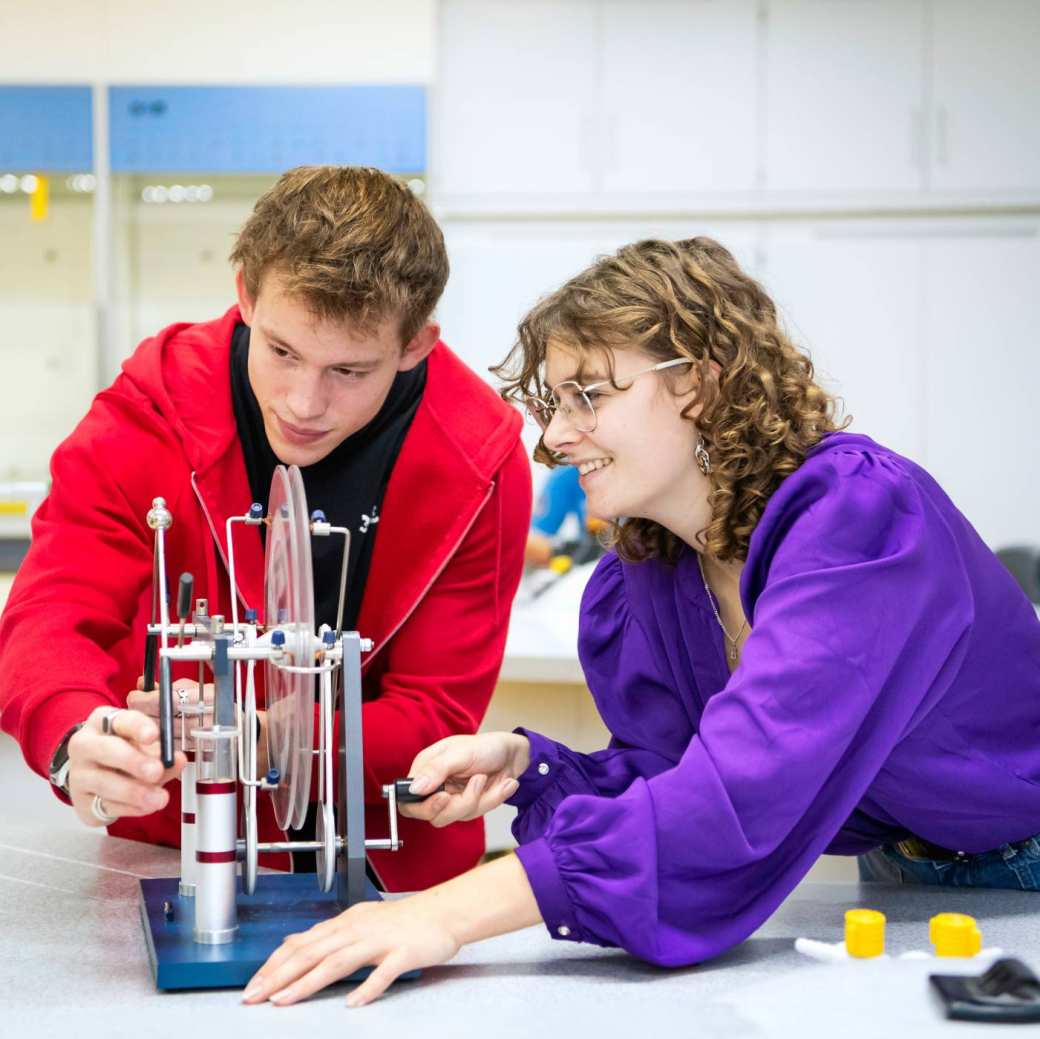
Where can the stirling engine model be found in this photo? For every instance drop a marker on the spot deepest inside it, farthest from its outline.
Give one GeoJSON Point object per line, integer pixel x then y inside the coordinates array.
{"type": "Point", "coordinates": [202, 930]}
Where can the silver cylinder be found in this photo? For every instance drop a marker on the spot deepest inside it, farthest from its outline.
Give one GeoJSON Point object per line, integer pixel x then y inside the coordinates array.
{"type": "Point", "coordinates": [216, 881]}
{"type": "Point", "coordinates": [188, 844]}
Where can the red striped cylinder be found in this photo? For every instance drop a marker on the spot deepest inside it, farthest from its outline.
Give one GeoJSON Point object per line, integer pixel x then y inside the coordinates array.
{"type": "Point", "coordinates": [216, 916]}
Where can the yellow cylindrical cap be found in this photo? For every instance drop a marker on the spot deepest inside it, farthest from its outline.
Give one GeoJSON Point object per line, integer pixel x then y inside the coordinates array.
{"type": "Point", "coordinates": [864, 933]}
{"type": "Point", "coordinates": [954, 934]}
{"type": "Point", "coordinates": [560, 564]}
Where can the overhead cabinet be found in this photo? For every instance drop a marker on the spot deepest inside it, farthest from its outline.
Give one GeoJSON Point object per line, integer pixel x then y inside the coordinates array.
{"type": "Point", "coordinates": [762, 104]}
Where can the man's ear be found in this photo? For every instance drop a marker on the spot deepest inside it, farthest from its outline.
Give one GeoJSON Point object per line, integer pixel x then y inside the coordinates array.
{"type": "Point", "coordinates": [246, 303]}
{"type": "Point", "coordinates": [419, 347]}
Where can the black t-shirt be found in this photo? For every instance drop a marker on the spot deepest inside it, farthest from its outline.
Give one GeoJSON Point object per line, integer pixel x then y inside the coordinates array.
{"type": "Point", "coordinates": [347, 485]}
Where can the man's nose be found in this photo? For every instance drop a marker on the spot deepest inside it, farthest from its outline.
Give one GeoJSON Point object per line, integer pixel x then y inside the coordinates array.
{"type": "Point", "coordinates": [306, 398]}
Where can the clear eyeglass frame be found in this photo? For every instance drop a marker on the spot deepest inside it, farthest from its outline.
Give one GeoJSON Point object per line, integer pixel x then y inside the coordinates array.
{"type": "Point", "coordinates": [572, 399]}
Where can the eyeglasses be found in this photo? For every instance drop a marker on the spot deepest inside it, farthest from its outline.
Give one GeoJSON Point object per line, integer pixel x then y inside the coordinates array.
{"type": "Point", "coordinates": [575, 401]}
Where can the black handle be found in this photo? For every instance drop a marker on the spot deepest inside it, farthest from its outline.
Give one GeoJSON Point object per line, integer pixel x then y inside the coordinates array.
{"type": "Point", "coordinates": [165, 713]}
{"type": "Point", "coordinates": [151, 648]}
{"type": "Point", "coordinates": [406, 797]}
{"type": "Point", "coordinates": [184, 591]}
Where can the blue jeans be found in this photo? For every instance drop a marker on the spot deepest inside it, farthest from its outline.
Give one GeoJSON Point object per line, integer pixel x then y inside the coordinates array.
{"type": "Point", "coordinates": [1014, 866]}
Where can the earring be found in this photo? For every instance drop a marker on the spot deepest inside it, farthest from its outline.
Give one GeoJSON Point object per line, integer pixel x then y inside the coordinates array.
{"type": "Point", "coordinates": [701, 454]}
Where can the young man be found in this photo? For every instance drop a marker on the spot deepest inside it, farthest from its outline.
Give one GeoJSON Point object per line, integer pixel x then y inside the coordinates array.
{"type": "Point", "coordinates": [330, 361]}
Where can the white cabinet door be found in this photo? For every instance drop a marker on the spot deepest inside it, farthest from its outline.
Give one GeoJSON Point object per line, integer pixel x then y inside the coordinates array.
{"type": "Point", "coordinates": [499, 270]}
{"type": "Point", "coordinates": [983, 338]}
{"type": "Point", "coordinates": [679, 96]}
{"type": "Point", "coordinates": [986, 130]}
{"type": "Point", "coordinates": [513, 108]}
{"type": "Point", "coordinates": [843, 96]}
{"type": "Point", "coordinates": [850, 295]}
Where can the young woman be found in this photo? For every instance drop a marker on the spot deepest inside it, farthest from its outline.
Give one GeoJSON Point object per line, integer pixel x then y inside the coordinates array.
{"type": "Point", "coordinates": [799, 646]}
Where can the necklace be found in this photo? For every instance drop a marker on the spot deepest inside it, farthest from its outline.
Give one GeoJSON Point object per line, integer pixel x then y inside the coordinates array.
{"type": "Point", "coordinates": [731, 639]}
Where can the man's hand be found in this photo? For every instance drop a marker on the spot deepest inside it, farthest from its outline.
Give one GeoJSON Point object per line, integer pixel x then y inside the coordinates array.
{"type": "Point", "coordinates": [122, 768]}
{"type": "Point", "coordinates": [185, 695]}
{"type": "Point", "coordinates": [478, 774]}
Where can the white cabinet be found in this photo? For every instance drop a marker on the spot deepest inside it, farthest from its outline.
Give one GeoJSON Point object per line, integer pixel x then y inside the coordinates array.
{"type": "Point", "coordinates": [982, 316]}
{"type": "Point", "coordinates": [514, 105]}
{"type": "Point", "coordinates": [850, 295]}
{"type": "Point", "coordinates": [985, 128]}
{"type": "Point", "coordinates": [499, 270]}
{"type": "Point", "coordinates": [843, 96]}
{"type": "Point", "coordinates": [679, 96]}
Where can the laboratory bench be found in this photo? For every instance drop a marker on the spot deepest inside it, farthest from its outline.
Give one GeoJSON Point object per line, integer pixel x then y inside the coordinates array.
{"type": "Point", "coordinates": [73, 962]}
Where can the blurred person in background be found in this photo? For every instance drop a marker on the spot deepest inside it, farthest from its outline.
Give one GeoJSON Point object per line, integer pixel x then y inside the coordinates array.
{"type": "Point", "coordinates": [798, 643]}
{"type": "Point", "coordinates": [330, 360]}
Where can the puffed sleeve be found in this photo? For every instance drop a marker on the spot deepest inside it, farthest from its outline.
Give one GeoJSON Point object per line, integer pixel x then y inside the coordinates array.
{"type": "Point", "coordinates": [609, 636]}
{"type": "Point", "coordinates": [859, 622]}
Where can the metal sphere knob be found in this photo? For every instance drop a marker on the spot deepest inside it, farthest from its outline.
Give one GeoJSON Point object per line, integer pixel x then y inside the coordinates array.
{"type": "Point", "coordinates": [159, 517]}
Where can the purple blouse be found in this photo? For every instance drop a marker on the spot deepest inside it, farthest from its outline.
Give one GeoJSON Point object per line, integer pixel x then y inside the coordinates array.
{"type": "Point", "coordinates": [890, 685]}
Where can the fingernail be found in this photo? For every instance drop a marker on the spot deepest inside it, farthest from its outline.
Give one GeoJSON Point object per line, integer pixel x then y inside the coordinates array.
{"type": "Point", "coordinates": [156, 800]}
{"type": "Point", "coordinates": [354, 1000]}
{"type": "Point", "coordinates": [421, 785]}
{"type": "Point", "coordinates": [152, 770]}
{"type": "Point", "coordinates": [280, 997]}
{"type": "Point", "coordinates": [254, 988]}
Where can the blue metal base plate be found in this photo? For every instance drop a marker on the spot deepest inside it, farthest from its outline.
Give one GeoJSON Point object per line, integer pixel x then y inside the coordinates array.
{"type": "Point", "coordinates": [283, 903]}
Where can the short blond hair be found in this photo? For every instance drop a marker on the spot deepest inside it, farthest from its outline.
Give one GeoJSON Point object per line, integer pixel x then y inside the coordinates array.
{"type": "Point", "coordinates": [353, 242]}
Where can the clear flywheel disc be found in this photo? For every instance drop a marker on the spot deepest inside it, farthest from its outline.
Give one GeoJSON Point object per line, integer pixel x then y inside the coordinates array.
{"type": "Point", "coordinates": [289, 608]}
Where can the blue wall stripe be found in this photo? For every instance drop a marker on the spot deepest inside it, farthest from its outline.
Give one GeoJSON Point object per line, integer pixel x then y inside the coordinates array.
{"type": "Point", "coordinates": [266, 129]}
{"type": "Point", "coordinates": [48, 129]}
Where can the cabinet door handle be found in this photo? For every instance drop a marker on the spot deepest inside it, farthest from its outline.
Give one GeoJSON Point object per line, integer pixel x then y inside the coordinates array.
{"type": "Point", "coordinates": [917, 150]}
{"type": "Point", "coordinates": [942, 136]}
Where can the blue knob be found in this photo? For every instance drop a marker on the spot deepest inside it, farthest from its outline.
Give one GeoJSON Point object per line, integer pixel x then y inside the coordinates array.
{"type": "Point", "coordinates": [329, 638]}
{"type": "Point", "coordinates": [317, 516]}
{"type": "Point", "coordinates": [277, 638]}
{"type": "Point", "coordinates": [256, 510]}
{"type": "Point", "coordinates": [273, 775]}
{"type": "Point", "coordinates": [250, 616]}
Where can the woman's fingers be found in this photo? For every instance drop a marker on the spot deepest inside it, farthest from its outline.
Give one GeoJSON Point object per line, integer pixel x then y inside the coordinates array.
{"type": "Point", "coordinates": [436, 764]}
{"type": "Point", "coordinates": [381, 978]}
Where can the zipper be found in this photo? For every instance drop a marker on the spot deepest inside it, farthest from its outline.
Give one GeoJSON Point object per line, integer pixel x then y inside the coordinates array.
{"type": "Point", "coordinates": [429, 584]}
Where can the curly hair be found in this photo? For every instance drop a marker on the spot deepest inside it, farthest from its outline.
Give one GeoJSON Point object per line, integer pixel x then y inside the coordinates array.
{"type": "Point", "coordinates": [757, 405]}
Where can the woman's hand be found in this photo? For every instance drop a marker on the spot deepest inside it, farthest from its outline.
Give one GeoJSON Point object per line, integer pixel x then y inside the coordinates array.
{"type": "Point", "coordinates": [477, 772]}
{"type": "Point", "coordinates": [394, 937]}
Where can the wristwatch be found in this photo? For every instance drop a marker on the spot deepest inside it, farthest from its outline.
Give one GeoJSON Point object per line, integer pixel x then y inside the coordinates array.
{"type": "Point", "coordinates": [58, 771]}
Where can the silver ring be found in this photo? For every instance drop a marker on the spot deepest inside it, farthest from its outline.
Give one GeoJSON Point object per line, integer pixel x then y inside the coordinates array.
{"type": "Point", "coordinates": [97, 809]}
{"type": "Point", "coordinates": [106, 721]}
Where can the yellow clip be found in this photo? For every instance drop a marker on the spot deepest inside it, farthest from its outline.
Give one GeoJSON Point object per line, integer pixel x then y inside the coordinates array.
{"type": "Point", "coordinates": [14, 508]}
{"type": "Point", "coordinates": [560, 564]}
{"type": "Point", "coordinates": [864, 933]}
{"type": "Point", "coordinates": [39, 200]}
{"type": "Point", "coordinates": [954, 934]}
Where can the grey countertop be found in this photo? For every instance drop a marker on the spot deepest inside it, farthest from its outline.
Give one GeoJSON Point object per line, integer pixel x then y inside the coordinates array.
{"type": "Point", "coordinates": [73, 963]}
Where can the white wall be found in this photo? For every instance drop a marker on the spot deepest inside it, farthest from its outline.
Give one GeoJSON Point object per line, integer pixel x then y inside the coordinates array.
{"type": "Point", "coordinates": [884, 189]}
{"type": "Point", "coordinates": [217, 41]}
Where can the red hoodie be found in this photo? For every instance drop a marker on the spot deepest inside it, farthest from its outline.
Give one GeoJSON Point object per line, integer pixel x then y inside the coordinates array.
{"type": "Point", "coordinates": [445, 566]}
